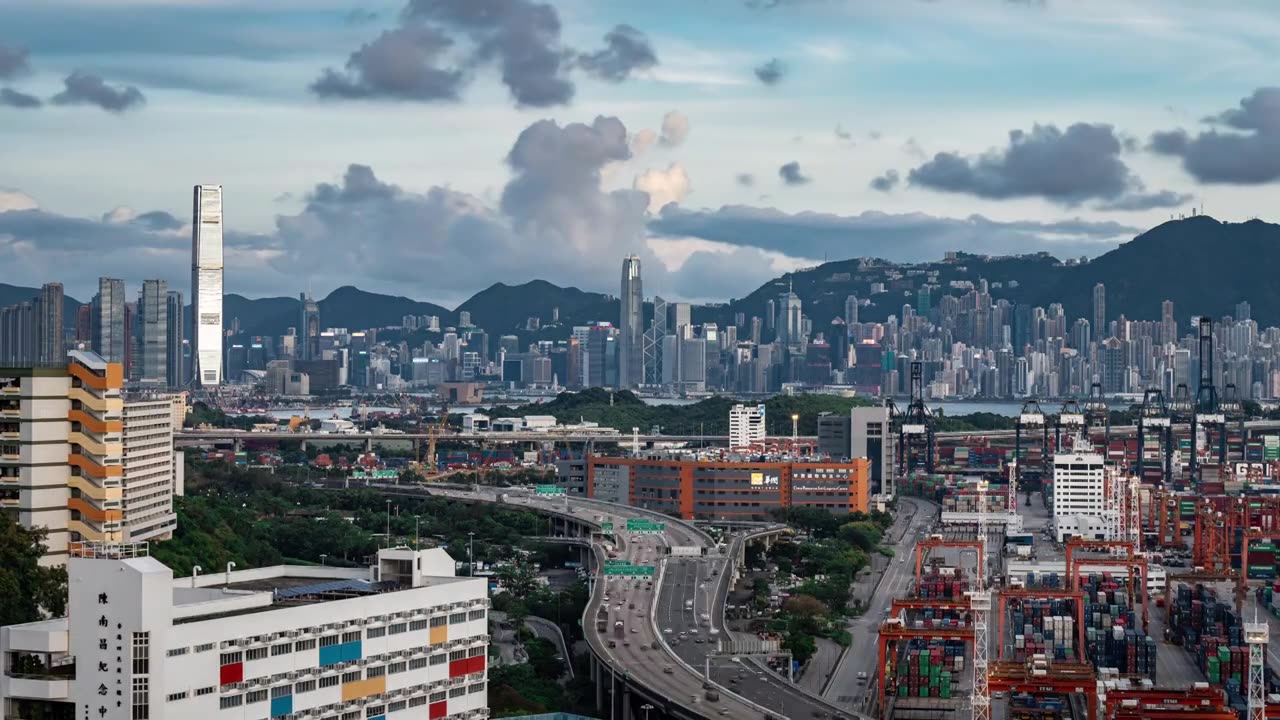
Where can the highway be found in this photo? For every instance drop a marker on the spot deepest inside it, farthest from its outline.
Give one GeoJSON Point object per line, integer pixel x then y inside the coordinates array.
{"type": "Point", "coordinates": [847, 687]}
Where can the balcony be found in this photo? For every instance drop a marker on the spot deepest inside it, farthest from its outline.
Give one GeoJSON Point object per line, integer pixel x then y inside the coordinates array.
{"type": "Point", "coordinates": [39, 687]}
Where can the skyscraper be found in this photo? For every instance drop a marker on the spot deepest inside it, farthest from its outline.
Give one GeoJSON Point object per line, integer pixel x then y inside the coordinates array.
{"type": "Point", "coordinates": [1168, 326]}
{"type": "Point", "coordinates": [109, 339]}
{"type": "Point", "coordinates": [153, 317]}
{"type": "Point", "coordinates": [851, 311]}
{"type": "Point", "coordinates": [175, 363]}
{"type": "Point", "coordinates": [789, 314]}
{"type": "Point", "coordinates": [1099, 312]}
{"type": "Point", "coordinates": [631, 325]}
{"type": "Point", "coordinates": [309, 329]}
{"type": "Point", "coordinates": [50, 342]}
{"type": "Point", "coordinates": [653, 342]}
{"type": "Point", "coordinates": [206, 285]}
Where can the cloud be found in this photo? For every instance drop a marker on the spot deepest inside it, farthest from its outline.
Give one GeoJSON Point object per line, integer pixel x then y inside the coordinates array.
{"type": "Point", "coordinates": [360, 16]}
{"type": "Point", "coordinates": [663, 186]}
{"type": "Point", "coordinates": [642, 140]}
{"type": "Point", "coordinates": [675, 129]}
{"type": "Point", "coordinates": [1247, 155]}
{"type": "Point", "coordinates": [886, 182]}
{"type": "Point", "coordinates": [745, 179]}
{"type": "Point", "coordinates": [440, 45]}
{"type": "Point", "coordinates": [82, 88]}
{"type": "Point", "coordinates": [1146, 201]}
{"type": "Point", "coordinates": [1064, 167]}
{"type": "Point", "coordinates": [626, 50]}
{"type": "Point", "coordinates": [13, 61]}
{"type": "Point", "coordinates": [702, 275]}
{"type": "Point", "coordinates": [842, 134]}
{"type": "Point", "coordinates": [771, 72]}
{"type": "Point", "coordinates": [14, 200]}
{"type": "Point", "coordinates": [791, 175]}
{"type": "Point", "coordinates": [911, 237]}
{"type": "Point", "coordinates": [159, 220]}
{"type": "Point", "coordinates": [14, 99]}
{"type": "Point", "coordinates": [399, 64]}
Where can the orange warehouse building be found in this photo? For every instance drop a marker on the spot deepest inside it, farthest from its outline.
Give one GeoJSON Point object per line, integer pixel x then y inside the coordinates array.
{"type": "Point", "coordinates": [707, 490]}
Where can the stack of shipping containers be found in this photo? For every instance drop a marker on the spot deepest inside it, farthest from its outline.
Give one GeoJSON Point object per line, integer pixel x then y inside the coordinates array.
{"type": "Point", "coordinates": [928, 669]}
{"type": "Point", "coordinates": [1212, 634]}
{"type": "Point", "coordinates": [1112, 636]}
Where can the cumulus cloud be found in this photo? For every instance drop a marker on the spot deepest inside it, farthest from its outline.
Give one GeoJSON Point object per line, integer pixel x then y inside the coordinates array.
{"type": "Point", "coordinates": [664, 186]}
{"type": "Point", "coordinates": [400, 64]}
{"type": "Point", "coordinates": [791, 175]}
{"type": "Point", "coordinates": [82, 88]}
{"type": "Point", "coordinates": [1247, 154]}
{"type": "Point", "coordinates": [22, 101]}
{"type": "Point", "coordinates": [13, 61]}
{"type": "Point", "coordinates": [440, 45]}
{"type": "Point", "coordinates": [14, 200]}
{"type": "Point", "coordinates": [886, 182]}
{"type": "Point", "coordinates": [642, 140]}
{"type": "Point", "coordinates": [771, 72]}
{"type": "Point", "coordinates": [745, 179]}
{"type": "Point", "coordinates": [675, 129]}
{"type": "Point", "coordinates": [626, 50]}
{"type": "Point", "coordinates": [1146, 201]}
{"type": "Point", "coordinates": [911, 237]}
{"type": "Point", "coordinates": [1065, 167]}
{"type": "Point", "coordinates": [702, 275]}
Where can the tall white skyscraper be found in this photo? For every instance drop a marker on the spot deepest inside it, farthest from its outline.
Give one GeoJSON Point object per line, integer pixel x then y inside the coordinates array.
{"type": "Point", "coordinates": [631, 326]}
{"type": "Point", "coordinates": [206, 285]}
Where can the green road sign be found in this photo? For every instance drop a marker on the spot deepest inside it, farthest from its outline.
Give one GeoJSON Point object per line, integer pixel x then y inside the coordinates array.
{"type": "Point", "coordinates": [606, 527]}
{"type": "Point", "coordinates": [375, 475]}
{"type": "Point", "coordinates": [611, 562]}
{"type": "Point", "coordinates": [548, 490]}
{"type": "Point", "coordinates": [644, 525]}
{"type": "Point", "coordinates": [628, 570]}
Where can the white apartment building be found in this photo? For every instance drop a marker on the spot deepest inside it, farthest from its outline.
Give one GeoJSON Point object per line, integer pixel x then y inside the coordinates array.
{"type": "Point", "coordinates": [746, 426]}
{"type": "Point", "coordinates": [1079, 497]}
{"type": "Point", "coordinates": [404, 638]}
{"type": "Point", "coordinates": [153, 472]}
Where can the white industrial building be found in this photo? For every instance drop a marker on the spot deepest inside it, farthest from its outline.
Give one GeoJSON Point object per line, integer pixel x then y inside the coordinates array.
{"type": "Point", "coordinates": [404, 638]}
{"type": "Point", "coordinates": [1079, 496]}
{"type": "Point", "coordinates": [746, 426]}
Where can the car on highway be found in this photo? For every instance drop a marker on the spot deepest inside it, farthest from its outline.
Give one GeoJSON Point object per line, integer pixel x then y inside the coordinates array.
{"type": "Point", "coordinates": [668, 669]}
{"type": "Point", "coordinates": [613, 644]}
{"type": "Point", "coordinates": [862, 675]}
{"type": "Point", "coordinates": [666, 631]}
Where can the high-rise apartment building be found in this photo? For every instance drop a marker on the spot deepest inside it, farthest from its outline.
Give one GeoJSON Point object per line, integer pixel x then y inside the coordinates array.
{"type": "Point", "coordinates": [1099, 312]}
{"type": "Point", "coordinates": [152, 470]}
{"type": "Point", "coordinates": [153, 317]}
{"type": "Point", "coordinates": [746, 426]}
{"type": "Point", "coordinates": [206, 285]}
{"type": "Point", "coordinates": [110, 338]}
{"type": "Point", "coordinates": [631, 325]}
{"type": "Point", "coordinates": [404, 638]}
{"type": "Point", "coordinates": [175, 362]}
{"type": "Point", "coordinates": [50, 336]}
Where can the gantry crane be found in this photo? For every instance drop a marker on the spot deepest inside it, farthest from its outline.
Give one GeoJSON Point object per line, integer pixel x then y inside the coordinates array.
{"type": "Point", "coordinates": [1153, 418]}
{"type": "Point", "coordinates": [1069, 423]}
{"type": "Point", "coordinates": [1097, 413]}
{"type": "Point", "coordinates": [1130, 560]}
{"type": "Point", "coordinates": [1206, 412]}
{"type": "Point", "coordinates": [1030, 418]}
{"type": "Point", "coordinates": [916, 428]}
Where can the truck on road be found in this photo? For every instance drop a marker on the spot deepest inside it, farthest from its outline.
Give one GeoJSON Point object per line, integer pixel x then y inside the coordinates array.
{"type": "Point", "coordinates": [618, 629]}
{"type": "Point", "coordinates": [602, 620]}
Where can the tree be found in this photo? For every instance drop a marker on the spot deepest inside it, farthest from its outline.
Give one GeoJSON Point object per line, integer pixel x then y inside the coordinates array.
{"type": "Point", "coordinates": [518, 579]}
{"type": "Point", "coordinates": [28, 591]}
{"type": "Point", "coordinates": [805, 606]}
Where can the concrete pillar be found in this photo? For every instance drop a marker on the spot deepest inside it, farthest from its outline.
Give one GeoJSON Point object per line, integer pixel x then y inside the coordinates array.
{"type": "Point", "coordinates": [304, 446]}
{"type": "Point", "coordinates": [368, 445]}
{"type": "Point", "coordinates": [599, 678]}
{"type": "Point", "coordinates": [237, 445]}
{"type": "Point", "coordinates": [626, 702]}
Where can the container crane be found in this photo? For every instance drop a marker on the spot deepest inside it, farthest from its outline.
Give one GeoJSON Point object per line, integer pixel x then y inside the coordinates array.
{"type": "Point", "coordinates": [1153, 418]}
{"type": "Point", "coordinates": [917, 428]}
{"type": "Point", "coordinates": [1071, 422]}
{"type": "Point", "coordinates": [1206, 412]}
{"type": "Point", "coordinates": [1030, 418]}
{"type": "Point", "coordinates": [1097, 413]}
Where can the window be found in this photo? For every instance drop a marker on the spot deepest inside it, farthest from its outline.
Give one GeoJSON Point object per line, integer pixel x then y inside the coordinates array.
{"type": "Point", "coordinates": [476, 651]}
{"type": "Point", "coordinates": [395, 706]}
{"type": "Point", "coordinates": [352, 676]}
{"type": "Point", "coordinates": [374, 672]}
{"type": "Point", "coordinates": [398, 628]}
{"type": "Point", "coordinates": [281, 649]}
{"type": "Point", "coordinates": [141, 653]}
{"type": "Point", "coordinates": [228, 658]}
{"type": "Point", "coordinates": [457, 692]}
{"type": "Point", "coordinates": [175, 652]}
{"type": "Point", "coordinates": [353, 715]}
{"type": "Point", "coordinates": [439, 621]}
{"type": "Point", "coordinates": [418, 625]}
{"type": "Point", "coordinates": [256, 696]}
{"type": "Point", "coordinates": [175, 697]}
{"type": "Point", "coordinates": [230, 701]}
{"type": "Point", "coordinates": [304, 645]}
{"type": "Point", "coordinates": [205, 690]}
{"type": "Point", "coordinates": [438, 696]}
{"type": "Point", "coordinates": [141, 693]}
{"type": "Point", "coordinates": [350, 636]}
{"type": "Point", "coordinates": [206, 647]}
{"type": "Point", "coordinates": [281, 691]}
{"type": "Point", "coordinates": [305, 686]}
{"type": "Point", "coordinates": [328, 681]}
{"type": "Point", "coordinates": [255, 654]}
{"type": "Point", "coordinates": [417, 663]}
{"type": "Point", "coordinates": [456, 618]}
{"type": "Point", "coordinates": [457, 654]}
{"type": "Point", "coordinates": [475, 615]}
{"type": "Point", "coordinates": [328, 641]}
{"type": "Point", "coordinates": [439, 659]}
{"type": "Point", "coordinates": [477, 687]}
{"type": "Point", "coordinates": [418, 701]}
{"type": "Point", "coordinates": [395, 668]}
{"type": "Point", "coordinates": [375, 632]}
{"type": "Point", "coordinates": [375, 711]}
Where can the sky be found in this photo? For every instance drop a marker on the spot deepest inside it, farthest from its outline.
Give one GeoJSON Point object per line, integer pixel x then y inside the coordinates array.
{"type": "Point", "coordinates": [429, 148]}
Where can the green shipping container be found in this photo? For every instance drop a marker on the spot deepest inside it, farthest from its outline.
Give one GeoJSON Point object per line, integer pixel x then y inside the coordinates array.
{"type": "Point", "coordinates": [902, 690]}
{"type": "Point", "coordinates": [924, 691]}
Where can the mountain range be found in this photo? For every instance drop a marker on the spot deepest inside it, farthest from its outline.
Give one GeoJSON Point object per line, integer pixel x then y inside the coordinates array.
{"type": "Point", "coordinates": [1203, 265]}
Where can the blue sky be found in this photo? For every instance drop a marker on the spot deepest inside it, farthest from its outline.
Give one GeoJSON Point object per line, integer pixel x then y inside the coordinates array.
{"type": "Point", "coordinates": [1054, 123]}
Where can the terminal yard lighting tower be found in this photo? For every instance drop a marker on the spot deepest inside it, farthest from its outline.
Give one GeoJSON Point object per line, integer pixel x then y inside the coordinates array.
{"type": "Point", "coordinates": [980, 601]}
{"type": "Point", "coordinates": [1255, 636]}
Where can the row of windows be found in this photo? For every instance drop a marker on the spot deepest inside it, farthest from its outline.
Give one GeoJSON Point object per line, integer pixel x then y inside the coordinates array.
{"type": "Point", "coordinates": [227, 702]}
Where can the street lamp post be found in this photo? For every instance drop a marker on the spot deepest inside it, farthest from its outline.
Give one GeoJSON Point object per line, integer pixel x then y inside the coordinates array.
{"type": "Point", "coordinates": [795, 427]}
{"type": "Point", "coordinates": [646, 708]}
{"type": "Point", "coordinates": [388, 523]}
{"type": "Point", "coordinates": [417, 542]}
{"type": "Point", "coordinates": [322, 557]}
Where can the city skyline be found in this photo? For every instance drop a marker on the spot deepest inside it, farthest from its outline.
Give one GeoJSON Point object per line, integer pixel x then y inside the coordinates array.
{"type": "Point", "coordinates": [838, 156]}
